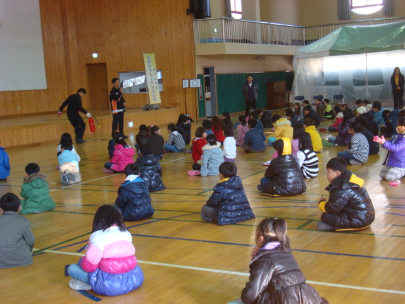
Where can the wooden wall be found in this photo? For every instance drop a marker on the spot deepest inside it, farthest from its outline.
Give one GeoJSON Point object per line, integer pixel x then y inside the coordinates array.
{"type": "Point", "coordinates": [119, 31]}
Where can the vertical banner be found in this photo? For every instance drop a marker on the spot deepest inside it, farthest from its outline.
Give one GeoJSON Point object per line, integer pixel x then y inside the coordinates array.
{"type": "Point", "coordinates": [151, 78]}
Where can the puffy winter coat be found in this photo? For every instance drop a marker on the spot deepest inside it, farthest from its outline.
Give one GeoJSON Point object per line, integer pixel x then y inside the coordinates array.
{"type": "Point", "coordinates": [156, 142]}
{"type": "Point", "coordinates": [275, 277]}
{"type": "Point", "coordinates": [141, 138]}
{"type": "Point", "coordinates": [151, 172]}
{"type": "Point", "coordinates": [285, 174]}
{"type": "Point", "coordinates": [349, 201]}
{"type": "Point", "coordinates": [110, 259]}
{"type": "Point", "coordinates": [344, 138]}
{"type": "Point", "coordinates": [134, 200]}
{"type": "Point", "coordinates": [4, 164]}
{"type": "Point", "coordinates": [185, 130]}
{"type": "Point", "coordinates": [35, 192]}
{"type": "Point", "coordinates": [282, 129]}
{"type": "Point", "coordinates": [230, 201]}
{"type": "Point", "coordinates": [396, 151]}
{"type": "Point", "coordinates": [266, 119]}
{"type": "Point", "coordinates": [122, 157]}
{"type": "Point", "coordinates": [111, 146]}
{"type": "Point", "coordinates": [312, 114]}
{"type": "Point", "coordinates": [198, 144]}
{"type": "Point", "coordinates": [371, 124]}
{"type": "Point", "coordinates": [211, 159]}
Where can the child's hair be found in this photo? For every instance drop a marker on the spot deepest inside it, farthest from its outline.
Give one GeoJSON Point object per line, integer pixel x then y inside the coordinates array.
{"type": "Point", "coordinates": [377, 105]}
{"type": "Point", "coordinates": [305, 102]}
{"type": "Point", "coordinates": [347, 114]}
{"type": "Point", "coordinates": [401, 114]}
{"type": "Point", "coordinates": [226, 114]}
{"type": "Point", "coordinates": [307, 108]}
{"type": "Point", "coordinates": [153, 129]}
{"type": "Point", "coordinates": [362, 120]}
{"type": "Point", "coordinates": [386, 113]}
{"type": "Point", "coordinates": [107, 216]}
{"type": "Point", "coordinates": [337, 109]}
{"type": "Point", "coordinates": [298, 106]}
{"type": "Point", "coordinates": [298, 130]}
{"type": "Point", "coordinates": [10, 202]}
{"type": "Point", "coordinates": [182, 119]}
{"type": "Point", "coordinates": [212, 140]}
{"type": "Point", "coordinates": [217, 124]}
{"type": "Point", "coordinates": [66, 146]}
{"type": "Point", "coordinates": [66, 137]}
{"type": "Point", "coordinates": [143, 127]}
{"type": "Point", "coordinates": [359, 102]}
{"type": "Point", "coordinates": [258, 111]}
{"type": "Point", "coordinates": [326, 101]}
{"type": "Point", "coordinates": [254, 115]}
{"type": "Point", "coordinates": [337, 164]}
{"type": "Point", "coordinates": [274, 118]}
{"type": "Point", "coordinates": [242, 120]}
{"type": "Point", "coordinates": [206, 124]}
{"type": "Point", "coordinates": [199, 132]}
{"type": "Point", "coordinates": [172, 127]}
{"type": "Point", "coordinates": [228, 169]}
{"type": "Point", "coordinates": [356, 126]}
{"type": "Point", "coordinates": [31, 168]}
{"type": "Point", "coordinates": [306, 142]}
{"type": "Point", "coordinates": [309, 122]}
{"type": "Point", "coordinates": [120, 141]}
{"type": "Point", "coordinates": [117, 134]}
{"type": "Point", "coordinates": [132, 169]}
{"type": "Point", "coordinates": [289, 112]}
{"type": "Point", "coordinates": [273, 230]}
{"type": "Point", "coordinates": [146, 149]}
{"type": "Point", "coordinates": [366, 102]}
{"type": "Point", "coordinates": [228, 131]}
{"type": "Point", "coordinates": [278, 145]}
{"type": "Point", "coordinates": [252, 123]}
{"type": "Point", "coordinates": [401, 122]}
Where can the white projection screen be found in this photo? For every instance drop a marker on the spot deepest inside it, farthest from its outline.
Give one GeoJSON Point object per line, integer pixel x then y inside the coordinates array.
{"type": "Point", "coordinates": [22, 65]}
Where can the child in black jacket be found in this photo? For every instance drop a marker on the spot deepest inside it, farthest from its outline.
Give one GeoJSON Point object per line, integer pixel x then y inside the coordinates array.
{"type": "Point", "coordinates": [150, 169]}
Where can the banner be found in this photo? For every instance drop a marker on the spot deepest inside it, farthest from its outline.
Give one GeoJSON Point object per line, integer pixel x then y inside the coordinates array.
{"type": "Point", "coordinates": [151, 78]}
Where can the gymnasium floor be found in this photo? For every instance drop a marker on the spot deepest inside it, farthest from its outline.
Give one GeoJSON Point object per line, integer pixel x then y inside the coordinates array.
{"type": "Point", "coordinates": [188, 260]}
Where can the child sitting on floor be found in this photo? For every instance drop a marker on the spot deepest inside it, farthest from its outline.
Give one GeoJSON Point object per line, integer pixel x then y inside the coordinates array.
{"type": "Point", "coordinates": [275, 276]}
{"type": "Point", "coordinates": [142, 137]}
{"type": "Point", "coordinates": [307, 159]}
{"type": "Point", "coordinates": [66, 137]}
{"type": "Point", "coordinates": [349, 206]}
{"type": "Point", "coordinates": [254, 139]}
{"type": "Point", "coordinates": [343, 138]}
{"type": "Point", "coordinates": [226, 118]}
{"type": "Point", "coordinates": [133, 198]}
{"type": "Point", "coordinates": [156, 141]}
{"type": "Point", "coordinates": [4, 165]}
{"type": "Point", "coordinates": [35, 192]}
{"type": "Point", "coordinates": [16, 238]}
{"type": "Point", "coordinates": [175, 142]}
{"type": "Point", "coordinates": [283, 176]}
{"type": "Point", "coordinates": [282, 129]}
{"type": "Point", "coordinates": [229, 144]}
{"type": "Point", "coordinates": [395, 159]}
{"type": "Point", "coordinates": [150, 169]}
{"type": "Point", "coordinates": [207, 126]}
{"type": "Point", "coordinates": [68, 165]}
{"type": "Point", "coordinates": [241, 130]}
{"type": "Point", "coordinates": [329, 113]}
{"type": "Point", "coordinates": [123, 155]}
{"type": "Point", "coordinates": [183, 126]}
{"type": "Point", "coordinates": [338, 119]}
{"type": "Point", "coordinates": [357, 152]}
{"type": "Point", "coordinates": [255, 115]}
{"type": "Point", "coordinates": [228, 204]}
{"type": "Point", "coordinates": [198, 143]}
{"type": "Point", "coordinates": [212, 157]}
{"type": "Point", "coordinates": [111, 143]}
{"type": "Point", "coordinates": [373, 147]}
{"type": "Point", "coordinates": [217, 127]}
{"type": "Point", "coordinates": [316, 139]}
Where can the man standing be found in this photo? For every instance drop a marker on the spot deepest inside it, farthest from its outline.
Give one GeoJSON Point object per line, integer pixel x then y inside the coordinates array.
{"type": "Point", "coordinates": [117, 102]}
{"type": "Point", "coordinates": [74, 103]}
{"type": "Point", "coordinates": [249, 91]}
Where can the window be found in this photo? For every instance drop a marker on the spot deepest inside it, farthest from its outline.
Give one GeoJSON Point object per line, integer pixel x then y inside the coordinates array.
{"type": "Point", "coordinates": [366, 7]}
{"type": "Point", "coordinates": [236, 9]}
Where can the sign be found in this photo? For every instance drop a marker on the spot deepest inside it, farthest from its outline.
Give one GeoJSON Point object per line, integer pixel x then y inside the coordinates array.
{"type": "Point", "coordinates": [195, 83]}
{"type": "Point", "coordinates": [185, 83]}
{"type": "Point", "coordinates": [152, 78]}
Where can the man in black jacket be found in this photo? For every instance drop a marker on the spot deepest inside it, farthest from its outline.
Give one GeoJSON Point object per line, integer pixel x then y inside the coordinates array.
{"type": "Point", "coordinates": [117, 102]}
{"type": "Point", "coordinates": [250, 91]}
{"type": "Point", "coordinates": [74, 105]}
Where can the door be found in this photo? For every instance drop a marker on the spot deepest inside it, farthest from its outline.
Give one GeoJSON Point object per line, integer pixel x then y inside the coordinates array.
{"type": "Point", "coordinates": [210, 92]}
{"type": "Point", "coordinates": [97, 87]}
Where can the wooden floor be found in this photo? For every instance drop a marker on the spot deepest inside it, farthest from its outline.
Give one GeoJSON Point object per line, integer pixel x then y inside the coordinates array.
{"type": "Point", "coordinates": [187, 260]}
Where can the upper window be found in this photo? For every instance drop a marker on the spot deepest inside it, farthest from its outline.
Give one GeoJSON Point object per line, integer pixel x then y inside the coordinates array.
{"type": "Point", "coordinates": [366, 7]}
{"type": "Point", "coordinates": [236, 9]}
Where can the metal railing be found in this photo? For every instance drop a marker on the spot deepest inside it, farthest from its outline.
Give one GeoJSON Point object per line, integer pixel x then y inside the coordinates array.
{"type": "Point", "coordinates": [223, 29]}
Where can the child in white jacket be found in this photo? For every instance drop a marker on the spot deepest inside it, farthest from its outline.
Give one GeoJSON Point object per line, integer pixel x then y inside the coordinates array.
{"type": "Point", "coordinates": [229, 145]}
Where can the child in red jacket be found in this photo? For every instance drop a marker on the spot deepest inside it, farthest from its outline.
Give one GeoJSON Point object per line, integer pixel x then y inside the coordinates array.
{"type": "Point", "coordinates": [198, 142]}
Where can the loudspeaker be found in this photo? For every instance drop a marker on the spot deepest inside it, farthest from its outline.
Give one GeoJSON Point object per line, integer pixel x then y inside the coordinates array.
{"type": "Point", "coordinates": [203, 9]}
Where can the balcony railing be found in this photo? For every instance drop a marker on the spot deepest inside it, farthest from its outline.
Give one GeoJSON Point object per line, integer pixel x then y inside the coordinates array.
{"type": "Point", "coordinates": [256, 32]}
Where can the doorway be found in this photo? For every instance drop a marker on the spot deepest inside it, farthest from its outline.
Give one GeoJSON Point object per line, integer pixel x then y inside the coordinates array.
{"type": "Point", "coordinates": [97, 87]}
{"type": "Point", "coordinates": [210, 92]}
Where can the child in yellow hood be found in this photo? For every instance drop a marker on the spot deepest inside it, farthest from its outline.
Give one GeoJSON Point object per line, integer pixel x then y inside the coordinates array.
{"type": "Point", "coordinates": [282, 129]}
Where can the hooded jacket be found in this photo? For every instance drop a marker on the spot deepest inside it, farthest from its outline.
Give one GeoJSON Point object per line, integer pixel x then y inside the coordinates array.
{"type": "Point", "coordinates": [315, 137]}
{"type": "Point", "coordinates": [4, 164]}
{"type": "Point", "coordinates": [285, 174]}
{"type": "Point", "coordinates": [134, 200]}
{"type": "Point", "coordinates": [275, 277]}
{"type": "Point", "coordinates": [283, 129]}
{"type": "Point", "coordinates": [185, 130]}
{"type": "Point", "coordinates": [35, 192]}
{"type": "Point", "coordinates": [396, 151]}
{"type": "Point", "coordinates": [211, 159]}
{"type": "Point", "coordinates": [151, 172]}
{"type": "Point", "coordinates": [349, 202]}
{"type": "Point", "coordinates": [122, 157]}
{"type": "Point", "coordinates": [230, 201]}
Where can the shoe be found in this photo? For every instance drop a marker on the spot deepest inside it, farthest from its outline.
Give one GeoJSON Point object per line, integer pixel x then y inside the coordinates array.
{"type": "Point", "coordinates": [79, 285]}
{"type": "Point", "coordinates": [260, 188]}
{"type": "Point", "coordinates": [323, 130]}
{"type": "Point", "coordinates": [355, 162]}
{"type": "Point", "coordinates": [325, 227]}
{"type": "Point", "coordinates": [193, 172]}
{"type": "Point", "coordinates": [326, 143]}
{"type": "Point", "coordinates": [124, 136]}
{"type": "Point", "coordinates": [267, 163]}
{"type": "Point", "coordinates": [80, 141]}
{"type": "Point", "coordinates": [107, 170]}
{"type": "Point", "coordinates": [187, 150]}
{"type": "Point", "coordinates": [3, 180]}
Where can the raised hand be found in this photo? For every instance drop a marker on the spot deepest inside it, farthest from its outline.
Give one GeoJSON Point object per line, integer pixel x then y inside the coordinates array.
{"type": "Point", "coordinates": [380, 140]}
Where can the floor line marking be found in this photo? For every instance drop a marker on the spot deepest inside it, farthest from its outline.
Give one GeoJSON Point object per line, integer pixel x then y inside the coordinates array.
{"type": "Point", "coordinates": [243, 274]}
{"type": "Point", "coordinates": [81, 183]}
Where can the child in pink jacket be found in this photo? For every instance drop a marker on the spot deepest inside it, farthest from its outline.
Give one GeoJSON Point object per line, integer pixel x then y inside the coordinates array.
{"type": "Point", "coordinates": [123, 155]}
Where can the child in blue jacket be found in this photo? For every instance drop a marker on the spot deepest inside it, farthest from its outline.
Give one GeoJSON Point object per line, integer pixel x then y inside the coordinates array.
{"type": "Point", "coordinates": [4, 165]}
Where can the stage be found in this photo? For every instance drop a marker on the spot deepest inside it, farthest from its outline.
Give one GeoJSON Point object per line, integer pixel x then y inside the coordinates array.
{"type": "Point", "coordinates": [41, 128]}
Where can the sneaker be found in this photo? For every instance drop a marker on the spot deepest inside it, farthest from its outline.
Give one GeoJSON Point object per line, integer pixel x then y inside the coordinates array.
{"type": "Point", "coordinates": [193, 172]}
{"type": "Point", "coordinates": [355, 162]}
{"type": "Point", "coordinates": [323, 130]}
{"type": "Point", "coordinates": [79, 285]}
{"type": "Point", "coordinates": [259, 187]}
{"type": "Point", "coordinates": [107, 170]}
{"type": "Point", "coordinates": [80, 141]}
{"type": "Point", "coordinates": [267, 163]}
{"type": "Point", "coordinates": [326, 143]}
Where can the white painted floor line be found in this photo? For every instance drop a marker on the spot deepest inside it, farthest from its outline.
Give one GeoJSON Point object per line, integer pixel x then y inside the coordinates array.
{"type": "Point", "coordinates": [241, 274]}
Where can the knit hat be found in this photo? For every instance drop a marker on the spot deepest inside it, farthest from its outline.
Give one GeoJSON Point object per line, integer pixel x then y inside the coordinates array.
{"type": "Point", "coordinates": [361, 110]}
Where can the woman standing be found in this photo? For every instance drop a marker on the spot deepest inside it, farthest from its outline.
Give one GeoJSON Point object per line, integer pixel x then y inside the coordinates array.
{"type": "Point", "coordinates": [397, 82]}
